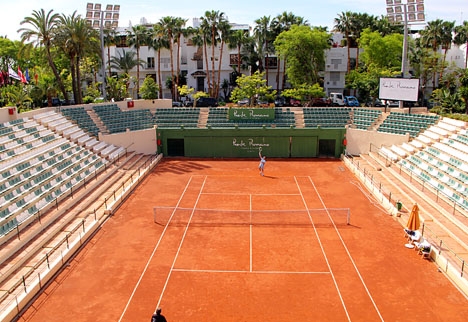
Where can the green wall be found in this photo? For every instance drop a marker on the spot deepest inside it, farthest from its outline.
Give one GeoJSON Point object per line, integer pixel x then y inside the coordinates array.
{"type": "Point", "coordinates": [232, 143]}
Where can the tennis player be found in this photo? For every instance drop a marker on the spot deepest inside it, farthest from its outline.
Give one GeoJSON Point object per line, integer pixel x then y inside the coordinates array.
{"type": "Point", "coordinates": [261, 166]}
{"type": "Point", "coordinates": [158, 317]}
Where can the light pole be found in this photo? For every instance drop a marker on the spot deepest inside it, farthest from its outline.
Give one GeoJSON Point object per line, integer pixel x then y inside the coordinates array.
{"type": "Point", "coordinates": [100, 18]}
{"type": "Point", "coordinates": [410, 12]}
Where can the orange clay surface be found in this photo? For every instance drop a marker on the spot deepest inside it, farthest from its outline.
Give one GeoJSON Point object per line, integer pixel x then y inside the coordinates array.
{"type": "Point", "coordinates": [286, 268]}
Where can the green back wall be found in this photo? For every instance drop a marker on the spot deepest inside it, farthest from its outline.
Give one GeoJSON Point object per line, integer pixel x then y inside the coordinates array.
{"type": "Point", "coordinates": [232, 143]}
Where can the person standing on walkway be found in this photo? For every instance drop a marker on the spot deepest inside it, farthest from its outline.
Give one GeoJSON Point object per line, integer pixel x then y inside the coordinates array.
{"type": "Point", "coordinates": [158, 317]}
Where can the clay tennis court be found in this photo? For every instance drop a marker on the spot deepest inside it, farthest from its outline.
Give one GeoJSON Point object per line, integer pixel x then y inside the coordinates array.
{"type": "Point", "coordinates": [286, 254]}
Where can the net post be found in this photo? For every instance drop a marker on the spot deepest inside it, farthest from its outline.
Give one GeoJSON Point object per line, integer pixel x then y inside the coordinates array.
{"type": "Point", "coordinates": [348, 217]}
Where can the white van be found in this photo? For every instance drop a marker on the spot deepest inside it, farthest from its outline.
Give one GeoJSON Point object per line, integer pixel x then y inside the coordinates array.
{"type": "Point", "coordinates": [337, 99]}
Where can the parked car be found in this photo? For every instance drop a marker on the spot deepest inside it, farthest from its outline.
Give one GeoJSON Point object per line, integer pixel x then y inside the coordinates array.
{"type": "Point", "coordinates": [176, 104]}
{"type": "Point", "coordinates": [375, 103]}
{"type": "Point", "coordinates": [263, 103]}
{"type": "Point", "coordinates": [320, 101]}
{"type": "Point", "coordinates": [280, 101]}
{"type": "Point", "coordinates": [351, 101]}
{"type": "Point", "coordinates": [243, 102]}
{"type": "Point", "coordinates": [207, 102]}
{"type": "Point", "coordinates": [391, 103]}
{"type": "Point", "coordinates": [294, 102]}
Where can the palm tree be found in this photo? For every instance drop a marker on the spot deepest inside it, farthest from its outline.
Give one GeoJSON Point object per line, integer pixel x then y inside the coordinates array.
{"type": "Point", "coordinates": [179, 31]}
{"type": "Point", "coordinates": [344, 24]}
{"type": "Point", "coordinates": [224, 33]}
{"type": "Point", "coordinates": [211, 23]}
{"type": "Point", "coordinates": [361, 21]}
{"type": "Point", "coordinates": [125, 62]}
{"type": "Point", "coordinates": [461, 38]}
{"type": "Point", "coordinates": [138, 37]}
{"type": "Point", "coordinates": [448, 27]}
{"type": "Point", "coordinates": [432, 37]}
{"type": "Point", "coordinates": [42, 31]}
{"type": "Point", "coordinates": [238, 38]}
{"type": "Point", "coordinates": [76, 38]}
{"type": "Point", "coordinates": [168, 24]}
{"type": "Point", "coordinates": [204, 34]}
{"type": "Point", "coordinates": [158, 42]}
{"type": "Point", "coordinates": [262, 36]}
{"type": "Point", "coordinates": [109, 41]}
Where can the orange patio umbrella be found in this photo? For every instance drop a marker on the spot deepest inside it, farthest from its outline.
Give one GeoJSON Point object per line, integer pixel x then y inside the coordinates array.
{"type": "Point", "coordinates": [413, 220]}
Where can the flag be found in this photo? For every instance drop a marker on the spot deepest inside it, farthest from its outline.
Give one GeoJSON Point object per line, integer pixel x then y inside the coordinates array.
{"type": "Point", "coordinates": [21, 76]}
{"type": "Point", "coordinates": [26, 74]}
{"type": "Point", "coordinates": [12, 73]}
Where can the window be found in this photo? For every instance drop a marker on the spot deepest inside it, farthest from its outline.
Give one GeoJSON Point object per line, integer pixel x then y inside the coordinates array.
{"type": "Point", "coordinates": [233, 59]}
{"type": "Point", "coordinates": [334, 76]}
{"type": "Point", "coordinates": [150, 62]}
{"type": "Point", "coordinates": [271, 62]}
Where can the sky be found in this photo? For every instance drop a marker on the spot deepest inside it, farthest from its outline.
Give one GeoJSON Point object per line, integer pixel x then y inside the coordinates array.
{"type": "Point", "coordinates": [317, 13]}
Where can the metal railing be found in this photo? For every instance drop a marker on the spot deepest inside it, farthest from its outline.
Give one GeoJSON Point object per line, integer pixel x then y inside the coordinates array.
{"type": "Point", "coordinates": [444, 253]}
{"type": "Point", "coordinates": [39, 274]}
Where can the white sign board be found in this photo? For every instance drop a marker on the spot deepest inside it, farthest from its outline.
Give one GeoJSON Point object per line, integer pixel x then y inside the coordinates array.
{"type": "Point", "coordinates": [399, 89]}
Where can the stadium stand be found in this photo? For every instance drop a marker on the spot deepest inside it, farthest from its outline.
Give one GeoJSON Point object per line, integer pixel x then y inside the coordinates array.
{"type": "Point", "coordinates": [401, 123]}
{"type": "Point", "coordinates": [39, 164]}
{"type": "Point", "coordinates": [442, 161]}
{"type": "Point", "coordinates": [328, 117]}
{"type": "Point", "coordinates": [82, 119]}
{"type": "Point", "coordinates": [176, 117]}
{"type": "Point", "coordinates": [117, 121]}
{"type": "Point", "coordinates": [364, 118]}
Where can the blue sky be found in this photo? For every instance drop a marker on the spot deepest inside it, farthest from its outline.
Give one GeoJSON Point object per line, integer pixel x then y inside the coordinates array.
{"type": "Point", "coordinates": [318, 13]}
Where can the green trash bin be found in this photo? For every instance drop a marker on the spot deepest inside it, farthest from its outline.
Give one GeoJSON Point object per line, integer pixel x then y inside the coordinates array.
{"type": "Point", "coordinates": [399, 205]}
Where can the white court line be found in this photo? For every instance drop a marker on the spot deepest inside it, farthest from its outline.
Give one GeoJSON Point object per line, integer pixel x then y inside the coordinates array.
{"type": "Point", "coordinates": [251, 263]}
{"type": "Point", "coordinates": [246, 194]}
{"type": "Point", "coordinates": [349, 254]}
{"type": "Point", "coordinates": [152, 254]}
{"type": "Point", "coordinates": [245, 271]}
{"type": "Point", "coordinates": [321, 247]}
{"type": "Point", "coordinates": [180, 244]}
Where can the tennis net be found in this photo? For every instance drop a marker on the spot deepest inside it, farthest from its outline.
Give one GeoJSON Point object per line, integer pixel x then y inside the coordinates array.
{"type": "Point", "coordinates": [177, 216]}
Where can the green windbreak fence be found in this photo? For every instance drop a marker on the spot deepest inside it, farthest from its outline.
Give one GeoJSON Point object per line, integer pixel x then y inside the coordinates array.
{"type": "Point", "coordinates": [246, 143]}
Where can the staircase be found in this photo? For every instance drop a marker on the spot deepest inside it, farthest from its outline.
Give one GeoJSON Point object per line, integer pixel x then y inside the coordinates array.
{"type": "Point", "coordinates": [97, 120]}
{"type": "Point", "coordinates": [203, 118]}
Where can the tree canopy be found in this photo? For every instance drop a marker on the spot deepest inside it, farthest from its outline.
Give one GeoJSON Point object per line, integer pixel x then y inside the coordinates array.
{"type": "Point", "coordinates": [303, 47]}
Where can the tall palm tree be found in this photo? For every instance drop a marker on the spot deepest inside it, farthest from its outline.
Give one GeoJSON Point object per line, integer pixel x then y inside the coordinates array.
{"type": "Point", "coordinates": [168, 24]}
{"type": "Point", "coordinates": [432, 37]}
{"type": "Point", "coordinates": [179, 31]}
{"type": "Point", "coordinates": [461, 38]}
{"type": "Point", "coordinates": [361, 21]}
{"type": "Point", "coordinates": [110, 40]}
{"type": "Point", "coordinates": [238, 38]}
{"type": "Point", "coordinates": [204, 32]}
{"type": "Point", "coordinates": [42, 31]}
{"type": "Point", "coordinates": [211, 22]}
{"type": "Point", "coordinates": [158, 42]}
{"type": "Point", "coordinates": [448, 28]}
{"type": "Point", "coordinates": [224, 34]}
{"type": "Point", "coordinates": [262, 32]}
{"type": "Point", "coordinates": [344, 24]}
{"type": "Point", "coordinates": [138, 36]}
{"type": "Point", "coordinates": [76, 38]}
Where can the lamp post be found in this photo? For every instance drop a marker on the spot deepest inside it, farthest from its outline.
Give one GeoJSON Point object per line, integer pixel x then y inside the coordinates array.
{"type": "Point", "coordinates": [410, 12]}
{"type": "Point", "coordinates": [98, 17]}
